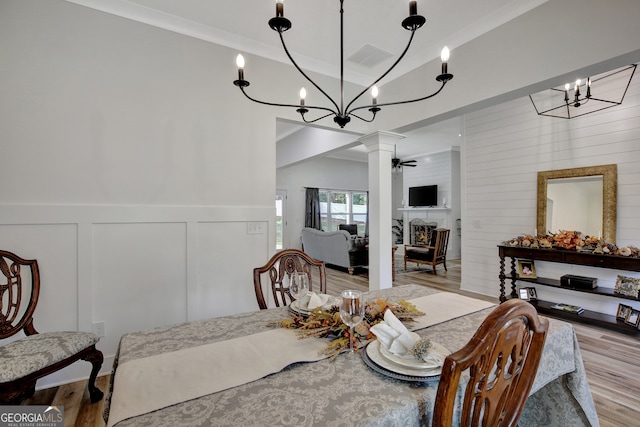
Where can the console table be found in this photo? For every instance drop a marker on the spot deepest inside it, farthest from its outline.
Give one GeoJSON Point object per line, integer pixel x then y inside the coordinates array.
{"type": "Point", "coordinates": [614, 262]}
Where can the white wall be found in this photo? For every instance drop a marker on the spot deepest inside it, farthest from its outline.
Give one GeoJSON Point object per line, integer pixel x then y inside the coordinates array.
{"type": "Point", "coordinates": [130, 169]}
{"type": "Point", "coordinates": [505, 147]}
{"type": "Point", "coordinates": [321, 173]}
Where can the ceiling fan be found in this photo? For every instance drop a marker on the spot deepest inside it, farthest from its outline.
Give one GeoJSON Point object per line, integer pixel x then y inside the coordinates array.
{"type": "Point", "coordinates": [397, 164]}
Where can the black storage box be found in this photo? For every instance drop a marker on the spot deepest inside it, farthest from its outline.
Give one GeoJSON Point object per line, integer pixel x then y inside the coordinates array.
{"type": "Point", "coordinates": [578, 282]}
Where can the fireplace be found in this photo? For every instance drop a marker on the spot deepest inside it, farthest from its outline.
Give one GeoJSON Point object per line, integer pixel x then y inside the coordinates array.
{"type": "Point", "coordinates": [420, 231]}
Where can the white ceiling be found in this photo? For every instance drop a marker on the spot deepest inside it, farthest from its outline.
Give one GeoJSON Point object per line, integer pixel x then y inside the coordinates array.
{"type": "Point", "coordinates": [314, 38]}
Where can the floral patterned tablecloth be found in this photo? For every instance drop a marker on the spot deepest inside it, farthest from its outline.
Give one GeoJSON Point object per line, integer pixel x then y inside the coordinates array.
{"type": "Point", "coordinates": [345, 392]}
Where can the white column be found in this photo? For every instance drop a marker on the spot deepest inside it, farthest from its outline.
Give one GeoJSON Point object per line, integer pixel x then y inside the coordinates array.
{"type": "Point", "coordinates": [380, 148]}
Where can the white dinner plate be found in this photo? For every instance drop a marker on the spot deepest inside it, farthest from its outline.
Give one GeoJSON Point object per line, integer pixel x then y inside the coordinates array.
{"type": "Point", "coordinates": [295, 306]}
{"type": "Point", "coordinates": [435, 358]}
{"type": "Point", "coordinates": [385, 366]}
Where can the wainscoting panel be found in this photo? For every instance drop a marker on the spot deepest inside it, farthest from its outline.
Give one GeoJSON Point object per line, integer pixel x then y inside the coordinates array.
{"type": "Point", "coordinates": [139, 277]}
{"type": "Point", "coordinates": [137, 267]}
{"type": "Point", "coordinates": [227, 254]}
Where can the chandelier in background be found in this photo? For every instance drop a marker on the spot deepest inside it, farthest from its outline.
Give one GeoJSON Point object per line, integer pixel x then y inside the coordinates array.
{"type": "Point", "coordinates": [342, 115]}
{"type": "Point", "coordinates": [593, 94]}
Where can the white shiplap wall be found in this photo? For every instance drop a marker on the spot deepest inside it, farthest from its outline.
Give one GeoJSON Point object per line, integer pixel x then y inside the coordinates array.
{"type": "Point", "coordinates": [504, 148]}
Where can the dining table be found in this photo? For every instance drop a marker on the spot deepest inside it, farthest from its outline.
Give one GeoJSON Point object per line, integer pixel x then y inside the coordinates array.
{"type": "Point", "coordinates": [241, 370]}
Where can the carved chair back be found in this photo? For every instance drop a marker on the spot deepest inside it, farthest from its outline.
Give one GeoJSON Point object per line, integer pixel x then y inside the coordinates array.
{"type": "Point", "coordinates": [502, 358]}
{"type": "Point", "coordinates": [19, 291]}
{"type": "Point", "coordinates": [27, 359]}
{"type": "Point", "coordinates": [279, 270]}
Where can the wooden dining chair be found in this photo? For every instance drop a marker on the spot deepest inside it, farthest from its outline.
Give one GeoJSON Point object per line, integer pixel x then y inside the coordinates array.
{"type": "Point", "coordinates": [281, 265]}
{"type": "Point", "coordinates": [24, 360]}
{"type": "Point", "coordinates": [502, 358]}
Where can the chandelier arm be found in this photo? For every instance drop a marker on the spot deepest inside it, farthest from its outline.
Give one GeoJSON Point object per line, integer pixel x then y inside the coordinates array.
{"type": "Point", "coordinates": [406, 49]}
{"type": "Point", "coordinates": [274, 104]}
{"type": "Point", "coordinates": [363, 119]}
{"type": "Point", "coordinates": [386, 104]}
{"type": "Point", "coordinates": [315, 120]}
{"type": "Point", "coordinates": [284, 46]}
{"type": "Point", "coordinates": [605, 101]}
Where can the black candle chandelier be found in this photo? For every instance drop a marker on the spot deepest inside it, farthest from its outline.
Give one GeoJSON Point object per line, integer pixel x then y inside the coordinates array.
{"type": "Point", "coordinates": [342, 115]}
{"type": "Point", "coordinates": [581, 98]}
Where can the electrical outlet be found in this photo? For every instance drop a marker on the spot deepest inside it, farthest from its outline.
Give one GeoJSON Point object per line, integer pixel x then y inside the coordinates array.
{"type": "Point", "coordinates": [98, 329]}
{"type": "Point", "coordinates": [255, 227]}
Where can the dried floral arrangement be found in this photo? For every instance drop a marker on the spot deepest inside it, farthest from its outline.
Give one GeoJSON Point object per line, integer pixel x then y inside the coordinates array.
{"type": "Point", "coordinates": [328, 324]}
{"type": "Point", "coordinates": [572, 240]}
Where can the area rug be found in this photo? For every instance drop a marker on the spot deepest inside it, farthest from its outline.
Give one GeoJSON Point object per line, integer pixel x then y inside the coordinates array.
{"type": "Point", "coordinates": [412, 267]}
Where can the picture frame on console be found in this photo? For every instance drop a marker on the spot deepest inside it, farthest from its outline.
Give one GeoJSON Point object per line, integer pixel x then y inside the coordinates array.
{"type": "Point", "coordinates": [523, 294]}
{"type": "Point", "coordinates": [623, 311]}
{"type": "Point", "coordinates": [526, 269]}
{"type": "Point", "coordinates": [633, 318]}
{"type": "Point", "coordinates": [629, 286]}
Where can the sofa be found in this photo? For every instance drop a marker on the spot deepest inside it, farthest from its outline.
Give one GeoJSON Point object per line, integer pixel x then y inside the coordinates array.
{"type": "Point", "coordinates": [336, 248]}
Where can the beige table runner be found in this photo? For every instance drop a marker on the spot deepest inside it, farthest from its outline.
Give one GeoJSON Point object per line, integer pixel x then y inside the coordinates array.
{"type": "Point", "coordinates": [147, 384]}
{"type": "Point", "coordinates": [155, 382]}
{"type": "Point", "coordinates": [444, 306]}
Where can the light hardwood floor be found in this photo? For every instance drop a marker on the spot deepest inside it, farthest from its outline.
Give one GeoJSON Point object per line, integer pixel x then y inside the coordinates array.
{"type": "Point", "coordinates": [612, 360]}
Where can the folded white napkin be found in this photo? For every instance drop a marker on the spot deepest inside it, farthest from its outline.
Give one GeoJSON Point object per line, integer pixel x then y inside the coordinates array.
{"type": "Point", "coordinates": [394, 336]}
{"type": "Point", "coordinates": [312, 300]}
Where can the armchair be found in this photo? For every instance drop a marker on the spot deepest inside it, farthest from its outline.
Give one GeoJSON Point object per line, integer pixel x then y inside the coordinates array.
{"type": "Point", "coordinates": [433, 254]}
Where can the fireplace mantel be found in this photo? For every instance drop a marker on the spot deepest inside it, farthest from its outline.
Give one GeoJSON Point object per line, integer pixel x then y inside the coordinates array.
{"type": "Point", "coordinates": [424, 209]}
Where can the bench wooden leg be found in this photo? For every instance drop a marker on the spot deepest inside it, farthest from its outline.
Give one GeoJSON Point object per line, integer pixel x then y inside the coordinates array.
{"type": "Point", "coordinates": [95, 358]}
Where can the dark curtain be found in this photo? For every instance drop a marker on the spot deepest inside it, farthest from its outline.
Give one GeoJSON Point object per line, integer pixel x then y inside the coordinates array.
{"type": "Point", "coordinates": [366, 221]}
{"type": "Point", "coordinates": [312, 209]}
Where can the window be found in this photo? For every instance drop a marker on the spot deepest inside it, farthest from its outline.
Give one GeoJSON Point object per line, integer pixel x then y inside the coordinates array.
{"type": "Point", "coordinates": [281, 198]}
{"type": "Point", "coordinates": [343, 207]}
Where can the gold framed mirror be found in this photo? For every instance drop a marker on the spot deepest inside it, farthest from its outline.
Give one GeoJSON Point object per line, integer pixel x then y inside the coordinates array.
{"type": "Point", "coordinates": [571, 199]}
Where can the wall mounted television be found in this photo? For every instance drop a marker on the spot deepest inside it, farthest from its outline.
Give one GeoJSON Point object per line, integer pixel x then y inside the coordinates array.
{"type": "Point", "coordinates": [426, 195]}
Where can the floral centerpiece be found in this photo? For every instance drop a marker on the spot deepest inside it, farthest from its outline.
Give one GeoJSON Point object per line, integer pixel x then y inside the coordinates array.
{"type": "Point", "coordinates": [572, 240]}
{"type": "Point", "coordinates": [328, 324]}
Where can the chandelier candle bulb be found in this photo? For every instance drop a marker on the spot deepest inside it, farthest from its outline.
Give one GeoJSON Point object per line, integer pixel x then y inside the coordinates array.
{"type": "Point", "coordinates": [374, 95]}
{"type": "Point", "coordinates": [413, 8]}
{"type": "Point", "coordinates": [240, 64]}
{"type": "Point", "coordinates": [444, 56]}
{"type": "Point", "coordinates": [303, 95]}
{"type": "Point", "coordinates": [588, 88]}
{"type": "Point", "coordinates": [279, 8]}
